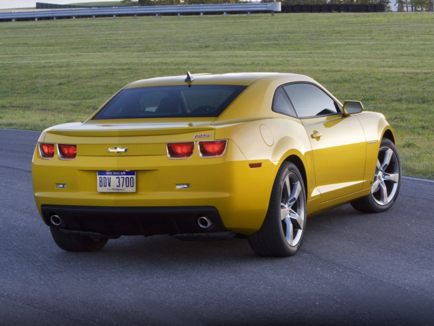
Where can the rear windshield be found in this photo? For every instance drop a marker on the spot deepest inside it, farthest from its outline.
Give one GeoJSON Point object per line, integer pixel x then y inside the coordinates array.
{"type": "Point", "coordinates": [170, 101]}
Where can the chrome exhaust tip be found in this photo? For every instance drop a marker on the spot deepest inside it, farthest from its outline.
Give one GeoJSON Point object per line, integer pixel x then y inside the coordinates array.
{"type": "Point", "coordinates": [55, 220]}
{"type": "Point", "coordinates": [204, 222]}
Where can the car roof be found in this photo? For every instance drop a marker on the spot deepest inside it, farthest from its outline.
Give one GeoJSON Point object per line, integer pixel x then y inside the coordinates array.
{"type": "Point", "coordinates": [245, 78]}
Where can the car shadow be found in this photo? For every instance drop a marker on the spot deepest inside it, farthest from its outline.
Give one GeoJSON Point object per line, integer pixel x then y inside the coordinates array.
{"type": "Point", "coordinates": [165, 250]}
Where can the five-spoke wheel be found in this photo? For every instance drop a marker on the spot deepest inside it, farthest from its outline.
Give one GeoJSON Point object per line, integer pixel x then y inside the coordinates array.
{"type": "Point", "coordinates": [386, 183]}
{"type": "Point", "coordinates": [387, 175]}
{"type": "Point", "coordinates": [292, 210]}
{"type": "Point", "coordinates": [282, 231]}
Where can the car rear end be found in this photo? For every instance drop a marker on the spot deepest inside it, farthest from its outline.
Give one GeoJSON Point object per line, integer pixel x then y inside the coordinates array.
{"type": "Point", "coordinates": [131, 169]}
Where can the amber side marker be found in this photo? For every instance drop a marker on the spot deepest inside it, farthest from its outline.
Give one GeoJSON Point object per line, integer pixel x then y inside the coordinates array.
{"type": "Point", "coordinates": [255, 165]}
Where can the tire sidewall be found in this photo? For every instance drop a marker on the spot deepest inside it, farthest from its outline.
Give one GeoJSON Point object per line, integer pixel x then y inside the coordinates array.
{"type": "Point", "coordinates": [76, 243]}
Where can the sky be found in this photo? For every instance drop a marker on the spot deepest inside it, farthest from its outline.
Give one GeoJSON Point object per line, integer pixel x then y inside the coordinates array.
{"type": "Point", "coordinates": [11, 4]}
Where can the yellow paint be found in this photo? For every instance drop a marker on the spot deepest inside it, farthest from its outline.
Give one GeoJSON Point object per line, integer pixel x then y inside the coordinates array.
{"type": "Point", "coordinates": [339, 165]}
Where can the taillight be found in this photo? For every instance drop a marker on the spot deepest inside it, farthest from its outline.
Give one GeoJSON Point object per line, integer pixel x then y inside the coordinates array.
{"type": "Point", "coordinates": [180, 150]}
{"type": "Point", "coordinates": [46, 150]}
{"type": "Point", "coordinates": [212, 148]}
{"type": "Point", "coordinates": [67, 151]}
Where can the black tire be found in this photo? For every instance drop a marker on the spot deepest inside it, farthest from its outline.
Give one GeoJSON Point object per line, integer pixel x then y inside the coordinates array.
{"type": "Point", "coordinates": [76, 242]}
{"type": "Point", "coordinates": [270, 240]}
{"type": "Point", "coordinates": [370, 204]}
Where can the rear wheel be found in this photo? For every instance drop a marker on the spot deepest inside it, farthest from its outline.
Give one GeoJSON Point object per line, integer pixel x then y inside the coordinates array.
{"type": "Point", "coordinates": [282, 232]}
{"type": "Point", "coordinates": [76, 242]}
{"type": "Point", "coordinates": [386, 183]}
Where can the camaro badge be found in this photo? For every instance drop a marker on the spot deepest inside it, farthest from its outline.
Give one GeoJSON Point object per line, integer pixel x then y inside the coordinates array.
{"type": "Point", "coordinates": [117, 150]}
{"type": "Point", "coordinates": [201, 136]}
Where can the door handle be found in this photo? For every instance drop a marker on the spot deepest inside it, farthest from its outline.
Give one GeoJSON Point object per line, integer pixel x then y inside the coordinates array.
{"type": "Point", "coordinates": [316, 135]}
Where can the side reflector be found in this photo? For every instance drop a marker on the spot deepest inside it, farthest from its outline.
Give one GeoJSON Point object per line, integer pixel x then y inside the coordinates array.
{"type": "Point", "coordinates": [180, 150]}
{"type": "Point", "coordinates": [212, 148]}
{"type": "Point", "coordinates": [46, 150]}
{"type": "Point", "coordinates": [67, 151]}
{"type": "Point", "coordinates": [255, 165]}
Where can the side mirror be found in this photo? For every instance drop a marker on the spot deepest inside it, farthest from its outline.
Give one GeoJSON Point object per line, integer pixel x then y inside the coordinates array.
{"type": "Point", "coordinates": [352, 107]}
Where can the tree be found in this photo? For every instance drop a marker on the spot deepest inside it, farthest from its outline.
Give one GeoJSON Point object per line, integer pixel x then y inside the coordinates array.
{"type": "Point", "coordinates": [177, 2]}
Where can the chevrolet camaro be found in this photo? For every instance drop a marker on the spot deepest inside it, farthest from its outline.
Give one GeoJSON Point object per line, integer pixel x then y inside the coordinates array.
{"type": "Point", "coordinates": [250, 153]}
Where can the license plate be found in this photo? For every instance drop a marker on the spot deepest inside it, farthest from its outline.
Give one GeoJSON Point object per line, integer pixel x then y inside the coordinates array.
{"type": "Point", "coordinates": [116, 181]}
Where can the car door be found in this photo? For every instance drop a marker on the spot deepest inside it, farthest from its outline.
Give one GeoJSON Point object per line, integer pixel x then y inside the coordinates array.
{"type": "Point", "coordinates": [338, 142]}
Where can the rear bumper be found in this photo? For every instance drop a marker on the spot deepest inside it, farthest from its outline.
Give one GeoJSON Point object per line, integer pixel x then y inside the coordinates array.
{"type": "Point", "coordinates": [117, 221]}
{"type": "Point", "coordinates": [238, 192]}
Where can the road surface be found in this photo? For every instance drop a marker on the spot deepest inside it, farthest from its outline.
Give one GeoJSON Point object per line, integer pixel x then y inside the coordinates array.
{"type": "Point", "coordinates": [363, 269]}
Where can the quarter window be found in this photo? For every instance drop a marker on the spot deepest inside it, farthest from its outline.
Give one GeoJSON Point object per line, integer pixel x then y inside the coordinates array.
{"type": "Point", "coordinates": [281, 103]}
{"type": "Point", "coordinates": [310, 101]}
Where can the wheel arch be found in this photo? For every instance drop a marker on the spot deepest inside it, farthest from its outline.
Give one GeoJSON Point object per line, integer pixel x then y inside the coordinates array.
{"type": "Point", "coordinates": [388, 134]}
{"type": "Point", "coordinates": [298, 162]}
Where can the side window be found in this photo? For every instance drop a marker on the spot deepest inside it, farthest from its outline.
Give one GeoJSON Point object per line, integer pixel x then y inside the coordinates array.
{"type": "Point", "coordinates": [281, 103]}
{"type": "Point", "coordinates": [310, 101]}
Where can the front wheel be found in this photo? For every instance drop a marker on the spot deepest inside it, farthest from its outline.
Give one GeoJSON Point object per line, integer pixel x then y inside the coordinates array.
{"type": "Point", "coordinates": [386, 183]}
{"type": "Point", "coordinates": [282, 232]}
{"type": "Point", "coordinates": [76, 242]}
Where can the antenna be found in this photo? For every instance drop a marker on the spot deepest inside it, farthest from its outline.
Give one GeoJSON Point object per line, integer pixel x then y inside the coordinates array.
{"type": "Point", "coordinates": [189, 78]}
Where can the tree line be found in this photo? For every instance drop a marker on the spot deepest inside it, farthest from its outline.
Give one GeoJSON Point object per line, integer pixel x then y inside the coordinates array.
{"type": "Point", "coordinates": [183, 2]}
{"type": "Point", "coordinates": [403, 5]}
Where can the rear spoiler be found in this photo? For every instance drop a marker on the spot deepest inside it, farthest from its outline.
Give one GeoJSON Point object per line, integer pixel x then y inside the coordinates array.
{"type": "Point", "coordinates": [79, 129]}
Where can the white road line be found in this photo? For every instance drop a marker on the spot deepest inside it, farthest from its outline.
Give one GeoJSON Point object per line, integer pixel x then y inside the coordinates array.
{"type": "Point", "coordinates": [418, 179]}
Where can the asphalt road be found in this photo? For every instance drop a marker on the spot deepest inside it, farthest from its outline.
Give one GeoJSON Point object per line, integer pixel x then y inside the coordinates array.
{"type": "Point", "coordinates": [362, 269]}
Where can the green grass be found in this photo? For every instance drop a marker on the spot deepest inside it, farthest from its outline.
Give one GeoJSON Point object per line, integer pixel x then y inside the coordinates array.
{"type": "Point", "coordinates": [57, 71]}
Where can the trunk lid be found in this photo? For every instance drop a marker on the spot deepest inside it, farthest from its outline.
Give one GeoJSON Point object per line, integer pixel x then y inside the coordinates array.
{"type": "Point", "coordinates": [136, 138]}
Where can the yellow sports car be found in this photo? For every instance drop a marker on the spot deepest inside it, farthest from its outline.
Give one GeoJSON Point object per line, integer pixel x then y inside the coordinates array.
{"type": "Point", "coordinates": [251, 153]}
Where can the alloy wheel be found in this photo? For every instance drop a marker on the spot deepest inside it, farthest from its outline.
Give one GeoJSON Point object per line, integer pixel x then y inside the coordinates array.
{"type": "Point", "coordinates": [292, 209]}
{"type": "Point", "coordinates": [387, 176]}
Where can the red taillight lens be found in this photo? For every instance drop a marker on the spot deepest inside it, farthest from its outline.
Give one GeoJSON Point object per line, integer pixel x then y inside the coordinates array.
{"type": "Point", "coordinates": [46, 150]}
{"type": "Point", "coordinates": [67, 151]}
{"type": "Point", "coordinates": [212, 148]}
{"type": "Point", "coordinates": [180, 150]}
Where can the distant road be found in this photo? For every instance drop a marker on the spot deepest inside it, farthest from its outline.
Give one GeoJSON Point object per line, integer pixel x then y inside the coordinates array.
{"type": "Point", "coordinates": [14, 4]}
{"type": "Point", "coordinates": [364, 269]}
{"type": "Point", "coordinates": [94, 12]}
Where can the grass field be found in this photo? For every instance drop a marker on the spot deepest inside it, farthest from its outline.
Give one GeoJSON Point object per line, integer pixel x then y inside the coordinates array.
{"type": "Point", "coordinates": [57, 71]}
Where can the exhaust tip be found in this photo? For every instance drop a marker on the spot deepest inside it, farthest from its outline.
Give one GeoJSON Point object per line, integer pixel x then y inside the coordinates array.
{"type": "Point", "coordinates": [55, 220]}
{"type": "Point", "coordinates": [204, 222]}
